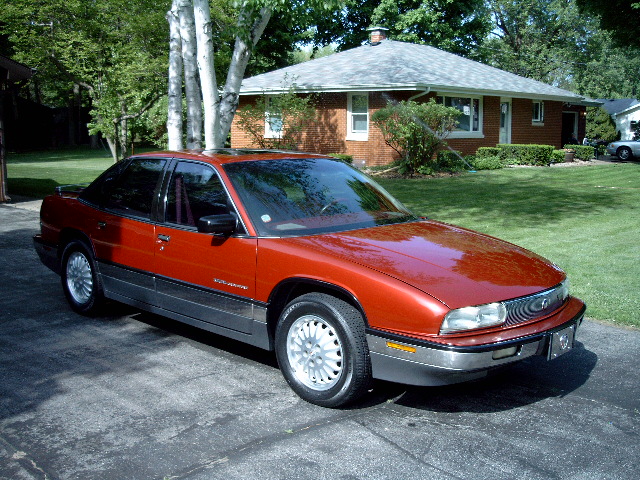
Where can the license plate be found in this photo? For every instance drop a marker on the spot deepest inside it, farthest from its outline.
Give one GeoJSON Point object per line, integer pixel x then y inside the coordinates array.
{"type": "Point", "coordinates": [561, 342]}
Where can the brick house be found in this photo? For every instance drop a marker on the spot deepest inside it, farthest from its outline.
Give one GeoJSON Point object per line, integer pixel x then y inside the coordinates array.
{"type": "Point", "coordinates": [497, 106]}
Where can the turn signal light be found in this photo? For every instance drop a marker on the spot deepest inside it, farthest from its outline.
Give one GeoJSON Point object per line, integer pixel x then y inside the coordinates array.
{"type": "Point", "coordinates": [404, 348]}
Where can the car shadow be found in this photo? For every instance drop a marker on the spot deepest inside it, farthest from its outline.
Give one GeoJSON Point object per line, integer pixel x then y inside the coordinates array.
{"type": "Point", "coordinates": [527, 382]}
{"type": "Point", "coordinates": [524, 383]}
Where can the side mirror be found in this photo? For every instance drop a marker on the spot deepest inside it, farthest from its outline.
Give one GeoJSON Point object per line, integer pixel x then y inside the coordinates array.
{"type": "Point", "coordinates": [220, 225]}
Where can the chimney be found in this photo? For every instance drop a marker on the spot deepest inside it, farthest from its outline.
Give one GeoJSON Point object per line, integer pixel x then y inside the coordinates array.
{"type": "Point", "coordinates": [377, 34]}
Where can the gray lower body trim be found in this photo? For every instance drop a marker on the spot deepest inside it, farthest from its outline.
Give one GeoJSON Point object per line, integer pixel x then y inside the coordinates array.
{"type": "Point", "coordinates": [432, 366]}
{"type": "Point", "coordinates": [237, 318]}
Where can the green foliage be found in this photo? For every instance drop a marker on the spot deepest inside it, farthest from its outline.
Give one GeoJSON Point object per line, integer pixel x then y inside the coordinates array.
{"type": "Point", "coordinates": [487, 152]}
{"type": "Point", "coordinates": [458, 27]}
{"type": "Point", "coordinates": [617, 16]}
{"type": "Point", "coordinates": [342, 156]}
{"type": "Point", "coordinates": [583, 152]}
{"type": "Point", "coordinates": [600, 125]}
{"type": "Point", "coordinates": [526, 154]}
{"type": "Point", "coordinates": [288, 111]}
{"type": "Point", "coordinates": [450, 161]}
{"type": "Point", "coordinates": [416, 131]}
{"type": "Point", "coordinates": [487, 162]}
{"type": "Point", "coordinates": [557, 156]}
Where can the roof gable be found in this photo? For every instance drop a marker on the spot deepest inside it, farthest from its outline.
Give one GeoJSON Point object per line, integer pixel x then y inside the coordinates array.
{"type": "Point", "coordinates": [393, 65]}
{"type": "Point", "coordinates": [613, 106]}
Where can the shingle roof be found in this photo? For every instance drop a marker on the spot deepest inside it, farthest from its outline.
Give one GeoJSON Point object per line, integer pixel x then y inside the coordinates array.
{"type": "Point", "coordinates": [393, 65]}
{"type": "Point", "coordinates": [618, 105]}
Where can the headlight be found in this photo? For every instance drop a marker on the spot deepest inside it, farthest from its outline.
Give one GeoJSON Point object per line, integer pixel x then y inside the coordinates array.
{"type": "Point", "coordinates": [469, 318]}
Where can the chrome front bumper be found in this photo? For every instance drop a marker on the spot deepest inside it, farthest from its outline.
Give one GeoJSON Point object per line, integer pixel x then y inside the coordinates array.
{"type": "Point", "coordinates": [431, 364]}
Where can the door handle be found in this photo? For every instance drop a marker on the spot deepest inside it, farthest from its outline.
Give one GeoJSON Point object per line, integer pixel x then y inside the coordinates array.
{"type": "Point", "coordinates": [102, 225]}
{"type": "Point", "coordinates": [164, 238]}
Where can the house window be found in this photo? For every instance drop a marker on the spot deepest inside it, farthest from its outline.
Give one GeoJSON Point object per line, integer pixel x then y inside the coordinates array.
{"type": "Point", "coordinates": [469, 122]}
{"type": "Point", "coordinates": [538, 112]}
{"type": "Point", "coordinates": [358, 116]}
{"type": "Point", "coordinates": [272, 121]}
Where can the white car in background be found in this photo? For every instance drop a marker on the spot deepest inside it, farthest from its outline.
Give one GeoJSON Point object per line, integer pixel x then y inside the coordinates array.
{"type": "Point", "coordinates": [624, 149]}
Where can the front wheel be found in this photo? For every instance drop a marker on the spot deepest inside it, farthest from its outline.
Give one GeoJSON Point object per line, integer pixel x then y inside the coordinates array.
{"type": "Point", "coordinates": [624, 153]}
{"type": "Point", "coordinates": [322, 350]}
{"type": "Point", "coordinates": [80, 280]}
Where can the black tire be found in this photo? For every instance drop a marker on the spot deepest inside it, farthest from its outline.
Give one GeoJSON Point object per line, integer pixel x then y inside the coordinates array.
{"type": "Point", "coordinates": [80, 280]}
{"type": "Point", "coordinates": [322, 350]}
{"type": "Point", "coordinates": [624, 153]}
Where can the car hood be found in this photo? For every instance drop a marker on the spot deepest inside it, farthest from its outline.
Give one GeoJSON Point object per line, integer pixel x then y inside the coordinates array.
{"type": "Point", "coordinates": [457, 266]}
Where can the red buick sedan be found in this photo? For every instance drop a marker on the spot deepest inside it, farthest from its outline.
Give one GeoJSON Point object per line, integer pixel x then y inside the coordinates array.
{"type": "Point", "coordinates": [307, 256]}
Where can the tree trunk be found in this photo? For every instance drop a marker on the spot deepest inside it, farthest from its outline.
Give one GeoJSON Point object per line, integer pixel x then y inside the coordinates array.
{"type": "Point", "coordinates": [255, 22]}
{"type": "Point", "coordinates": [4, 194]}
{"type": "Point", "coordinates": [210, 98]}
{"type": "Point", "coordinates": [112, 148]}
{"type": "Point", "coordinates": [174, 116]}
{"type": "Point", "coordinates": [192, 87]}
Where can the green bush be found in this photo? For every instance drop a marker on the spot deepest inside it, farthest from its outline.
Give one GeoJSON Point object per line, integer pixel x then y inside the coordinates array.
{"type": "Point", "coordinates": [450, 161]}
{"type": "Point", "coordinates": [342, 156]}
{"type": "Point", "coordinates": [526, 154]}
{"type": "Point", "coordinates": [584, 152]}
{"type": "Point", "coordinates": [487, 163]}
{"type": "Point", "coordinates": [557, 156]}
{"type": "Point", "coordinates": [488, 152]}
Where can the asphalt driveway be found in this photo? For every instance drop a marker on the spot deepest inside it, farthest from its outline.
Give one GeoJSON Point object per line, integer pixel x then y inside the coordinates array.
{"type": "Point", "coordinates": [130, 395]}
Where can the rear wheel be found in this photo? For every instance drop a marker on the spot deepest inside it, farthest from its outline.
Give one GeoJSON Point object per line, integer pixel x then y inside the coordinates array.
{"type": "Point", "coordinates": [322, 350]}
{"type": "Point", "coordinates": [624, 153]}
{"type": "Point", "coordinates": [80, 281]}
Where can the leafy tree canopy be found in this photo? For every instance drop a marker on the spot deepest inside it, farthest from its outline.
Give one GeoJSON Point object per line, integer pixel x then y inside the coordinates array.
{"type": "Point", "coordinates": [619, 17]}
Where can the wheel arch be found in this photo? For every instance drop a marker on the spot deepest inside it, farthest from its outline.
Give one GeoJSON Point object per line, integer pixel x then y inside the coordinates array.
{"type": "Point", "coordinates": [291, 288]}
{"type": "Point", "coordinates": [68, 235]}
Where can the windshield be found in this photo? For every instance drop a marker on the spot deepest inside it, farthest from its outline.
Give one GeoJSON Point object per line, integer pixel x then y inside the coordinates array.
{"type": "Point", "coordinates": [313, 195]}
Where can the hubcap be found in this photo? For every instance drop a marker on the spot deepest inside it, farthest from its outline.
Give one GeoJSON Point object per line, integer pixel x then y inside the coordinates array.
{"type": "Point", "coordinates": [315, 352]}
{"type": "Point", "coordinates": [79, 278]}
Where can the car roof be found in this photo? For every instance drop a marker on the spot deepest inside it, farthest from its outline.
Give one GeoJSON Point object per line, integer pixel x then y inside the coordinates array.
{"type": "Point", "coordinates": [231, 155]}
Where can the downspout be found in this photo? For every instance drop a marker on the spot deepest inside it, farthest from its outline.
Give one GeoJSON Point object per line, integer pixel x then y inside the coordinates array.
{"type": "Point", "coordinates": [420, 94]}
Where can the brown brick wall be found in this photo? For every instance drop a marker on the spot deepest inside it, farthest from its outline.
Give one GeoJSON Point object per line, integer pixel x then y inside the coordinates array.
{"type": "Point", "coordinates": [327, 134]}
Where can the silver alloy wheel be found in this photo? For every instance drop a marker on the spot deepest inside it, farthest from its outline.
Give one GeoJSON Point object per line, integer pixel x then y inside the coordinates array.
{"type": "Point", "coordinates": [79, 278]}
{"type": "Point", "coordinates": [624, 153]}
{"type": "Point", "coordinates": [315, 352]}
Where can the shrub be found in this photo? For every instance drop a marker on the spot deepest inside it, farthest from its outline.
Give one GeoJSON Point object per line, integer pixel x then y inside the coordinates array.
{"type": "Point", "coordinates": [488, 152]}
{"type": "Point", "coordinates": [342, 156]}
{"type": "Point", "coordinates": [583, 152]}
{"type": "Point", "coordinates": [526, 154]}
{"type": "Point", "coordinates": [557, 156]}
{"type": "Point", "coordinates": [450, 161]}
{"type": "Point", "coordinates": [415, 130]}
{"type": "Point", "coordinates": [487, 163]}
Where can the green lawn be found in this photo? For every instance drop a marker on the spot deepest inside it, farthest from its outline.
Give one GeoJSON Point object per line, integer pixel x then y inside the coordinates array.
{"type": "Point", "coordinates": [37, 174]}
{"type": "Point", "coordinates": [585, 219]}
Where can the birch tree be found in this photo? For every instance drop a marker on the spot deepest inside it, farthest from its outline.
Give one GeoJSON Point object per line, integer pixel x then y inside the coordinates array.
{"type": "Point", "coordinates": [220, 102]}
{"type": "Point", "coordinates": [174, 116]}
{"type": "Point", "coordinates": [191, 82]}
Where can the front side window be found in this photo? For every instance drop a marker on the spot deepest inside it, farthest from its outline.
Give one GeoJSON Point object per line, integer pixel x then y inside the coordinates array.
{"type": "Point", "coordinates": [127, 188]}
{"type": "Point", "coordinates": [469, 122]}
{"type": "Point", "coordinates": [538, 112]}
{"type": "Point", "coordinates": [358, 116]}
{"type": "Point", "coordinates": [194, 191]}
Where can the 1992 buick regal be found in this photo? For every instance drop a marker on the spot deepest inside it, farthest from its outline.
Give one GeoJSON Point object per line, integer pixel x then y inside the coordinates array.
{"type": "Point", "coordinates": [305, 255]}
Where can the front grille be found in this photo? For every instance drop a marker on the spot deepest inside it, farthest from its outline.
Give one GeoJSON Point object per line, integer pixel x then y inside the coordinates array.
{"type": "Point", "coordinates": [535, 306]}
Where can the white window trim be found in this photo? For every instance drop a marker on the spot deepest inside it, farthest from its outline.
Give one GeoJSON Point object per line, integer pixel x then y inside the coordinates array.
{"type": "Point", "coordinates": [538, 121]}
{"type": "Point", "coordinates": [268, 133]}
{"type": "Point", "coordinates": [351, 135]}
{"type": "Point", "coordinates": [467, 134]}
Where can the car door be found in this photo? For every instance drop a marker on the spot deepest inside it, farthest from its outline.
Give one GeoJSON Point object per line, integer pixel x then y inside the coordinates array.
{"type": "Point", "coordinates": [199, 275]}
{"type": "Point", "coordinates": [123, 229]}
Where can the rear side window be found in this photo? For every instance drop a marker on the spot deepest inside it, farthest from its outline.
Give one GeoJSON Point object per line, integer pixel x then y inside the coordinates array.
{"type": "Point", "coordinates": [127, 188]}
